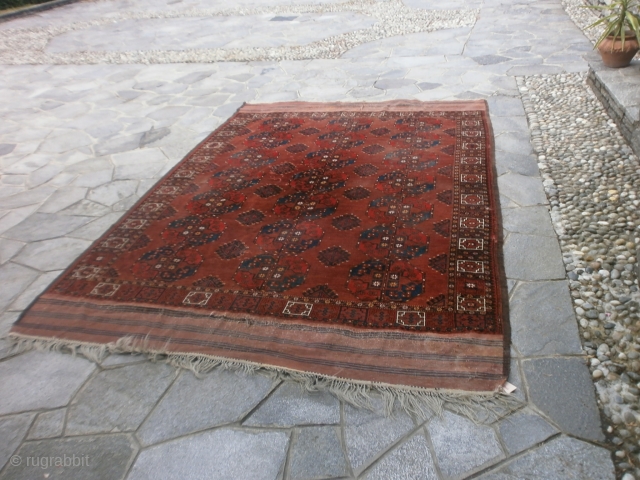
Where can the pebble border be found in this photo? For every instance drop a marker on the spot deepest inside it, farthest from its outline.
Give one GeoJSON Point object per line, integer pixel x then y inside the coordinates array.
{"type": "Point", "coordinates": [27, 45]}
{"type": "Point", "coordinates": [592, 180]}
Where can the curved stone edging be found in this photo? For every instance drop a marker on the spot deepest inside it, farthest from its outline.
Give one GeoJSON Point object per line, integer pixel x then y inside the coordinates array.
{"type": "Point", "coordinates": [30, 10]}
{"type": "Point", "coordinates": [27, 46]}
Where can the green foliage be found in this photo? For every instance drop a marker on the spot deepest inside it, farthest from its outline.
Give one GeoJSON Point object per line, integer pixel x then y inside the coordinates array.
{"type": "Point", "coordinates": [11, 4]}
{"type": "Point", "coordinates": [621, 17]}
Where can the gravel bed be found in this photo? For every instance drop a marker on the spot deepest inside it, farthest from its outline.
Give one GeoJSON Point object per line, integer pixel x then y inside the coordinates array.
{"type": "Point", "coordinates": [583, 17]}
{"type": "Point", "coordinates": [592, 180]}
{"type": "Point", "coordinates": [27, 45]}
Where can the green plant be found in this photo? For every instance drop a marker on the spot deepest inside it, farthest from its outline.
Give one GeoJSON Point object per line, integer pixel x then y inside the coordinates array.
{"type": "Point", "coordinates": [620, 20]}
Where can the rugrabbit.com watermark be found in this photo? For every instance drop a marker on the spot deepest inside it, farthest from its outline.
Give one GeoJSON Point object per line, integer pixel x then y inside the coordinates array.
{"type": "Point", "coordinates": [66, 461]}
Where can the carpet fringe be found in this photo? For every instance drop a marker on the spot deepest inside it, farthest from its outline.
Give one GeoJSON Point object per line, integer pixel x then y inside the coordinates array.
{"type": "Point", "coordinates": [479, 407]}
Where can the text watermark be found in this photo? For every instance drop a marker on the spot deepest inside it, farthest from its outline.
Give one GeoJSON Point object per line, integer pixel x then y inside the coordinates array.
{"type": "Point", "coordinates": [68, 461]}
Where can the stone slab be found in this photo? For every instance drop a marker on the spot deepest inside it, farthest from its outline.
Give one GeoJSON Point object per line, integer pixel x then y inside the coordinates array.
{"type": "Point", "coordinates": [513, 142]}
{"type": "Point", "coordinates": [317, 453]}
{"type": "Point", "coordinates": [528, 220]}
{"type": "Point", "coordinates": [36, 288]}
{"type": "Point", "coordinates": [411, 460]}
{"type": "Point", "coordinates": [523, 430]}
{"type": "Point", "coordinates": [119, 359]}
{"type": "Point", "coordinates": [509, 124]}
{"type": "Point", "coordinates": [370, 433]}
{"type": "Point", "coordinates": [12, 431]}
{"type": "Point", "coordinates": [289, 406]}
{"type": "Point", "coordinates": [113, 192]}
{"type": "Point", "coordinates": [54, 254]}
{"type": "Point", "coordinates": [86, 209]}
{"type": "Point", "coordinates": [524, 190]}
{"type": "Point", "coordinates": [119, 399]}
{"type": "Point", "coordinates": [118, 144]}
{"type": "Point", "coordinates": [504, 106]}
{"type": "Point", "coordinates": [7, 319]}
{"type": "Point", "coordinates": [139, 164]}
{"type": "Point", "coordinates": [461, 447]}
{"type": "Point", "coordinates": [93, 230]}
{"type": "Point", "coordinates": [39, 380]}
{"type": "Point", "coordinates": [62, 199]}
{"type": "Point", "coordinates": [542, 319]}
{"type": "Point", "coordinates": [33, 229]}
{"type": "Point", "coordinates": [225, 453]}
{"type": "Point", "coordinates": [99, 457]}
{"type": "Point", "coordinates": [531, 257]}
{"type": "Point", "coordinates": [14, 279]}
{"type": "Point", "coordinates": [48, 425]}
{"type": "Point", "coordinates": [563, 390]}
{"type": "Point", "coordinates": [563, 457]}
{"type": "Point", "coordinates": [215, 399]}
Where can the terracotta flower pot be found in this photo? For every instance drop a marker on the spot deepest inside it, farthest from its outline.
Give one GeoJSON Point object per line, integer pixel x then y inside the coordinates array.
{"type": "Point", "coordinates": [612, 53]}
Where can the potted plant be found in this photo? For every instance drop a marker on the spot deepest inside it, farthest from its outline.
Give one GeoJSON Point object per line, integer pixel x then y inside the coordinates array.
{"type": "Point", "coordinates": [620, 40]}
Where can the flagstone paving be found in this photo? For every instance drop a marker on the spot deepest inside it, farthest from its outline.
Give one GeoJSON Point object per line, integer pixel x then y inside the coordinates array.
{"type": "Point", "coordinates": [80, 144]}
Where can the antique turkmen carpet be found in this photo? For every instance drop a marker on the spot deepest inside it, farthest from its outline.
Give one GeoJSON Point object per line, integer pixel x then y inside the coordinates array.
{"type": "Point", "coordinates": [353, 242]}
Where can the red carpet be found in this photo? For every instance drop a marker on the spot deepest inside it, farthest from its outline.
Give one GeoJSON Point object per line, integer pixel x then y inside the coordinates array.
{"type": "Point", "coordinates": [357, 241]}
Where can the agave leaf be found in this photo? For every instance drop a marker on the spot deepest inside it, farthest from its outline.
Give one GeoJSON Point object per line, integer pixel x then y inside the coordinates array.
{"type": "Point", "coordinates": [618, 21]}
{"type": "Point", "coordinates": [601, 21]}
{"type": "Point", "coordinates": [633, 22]}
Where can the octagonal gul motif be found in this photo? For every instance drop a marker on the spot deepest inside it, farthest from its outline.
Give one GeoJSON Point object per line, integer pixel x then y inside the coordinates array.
{"type": "Point", "coordinates": [268, 140]}
{"type": "Point", "coordinates": [318, 181]}
{"type": "Point", "coordinates": [412, 140]}
{"type": "Point", "coordinates": [327, 159]}
{"type": "Point", "coordinates": [233, 179]}
{"type": "Point", "coordinates": [357, 193]}
{"type": "Point", "coordinates": [252, 158]}
{"type": "Point", "coordinates": [309, 206]}
{"type": "Point", "coordinates": [169, 263]}
{"type": "Point", "coordinates": [194, 230]}
{"type": "Point", "coordinates": [382, 241]}
{"type": "Point", "coordinates": [390, 209]}
{"type": "Point", "coordinates": [231, 250]}
{"type": "Point", "coordinates": [340, 139]}
{"type": "Point", "coordinates": [366, 170]}
{"type": "Point", "coordinates": [411, 184]}
{"type": "Point", "coordinates": [346, 222]}
{"type": "Point", "coordinates": [251, 217]}
{"type": "Point", "coordinates": [267, 191]}
{"type": "Point", "coordinates": [214, 204]}
{"type": "Point", "coordinates": [283, 168]}
{"type": "Point", "coordinates": [333, 256]}
{"type": "Point", "coordinates": [289, 236]}
{"type": "Point", "coordinates": [385, 280]}
{"type": "Point", "coordinates": [410, 159]}
{"type": "Point", "coordinates": [271, 273]}
{"type": "Point", "coordinates": [373, 149]}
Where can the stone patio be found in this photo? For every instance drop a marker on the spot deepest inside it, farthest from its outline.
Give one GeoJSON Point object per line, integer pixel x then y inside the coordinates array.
{"type": "Point", "coordinates": [80, 144]}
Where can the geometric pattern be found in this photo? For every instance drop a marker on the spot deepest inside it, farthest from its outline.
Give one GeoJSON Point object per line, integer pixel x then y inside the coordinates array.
{"type": "Point", "coordinates": [258, 248]}
{"type": "Point", "coordinates": [378, 210]}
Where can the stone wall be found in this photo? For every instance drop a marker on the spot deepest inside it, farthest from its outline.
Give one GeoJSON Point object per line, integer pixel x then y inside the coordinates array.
{"type": "Point", "coordinates": [625, 117]}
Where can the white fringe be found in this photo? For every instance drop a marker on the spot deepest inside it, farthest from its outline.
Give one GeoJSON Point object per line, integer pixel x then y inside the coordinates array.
{"type": "Point", "coordinates": [479, 407]}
